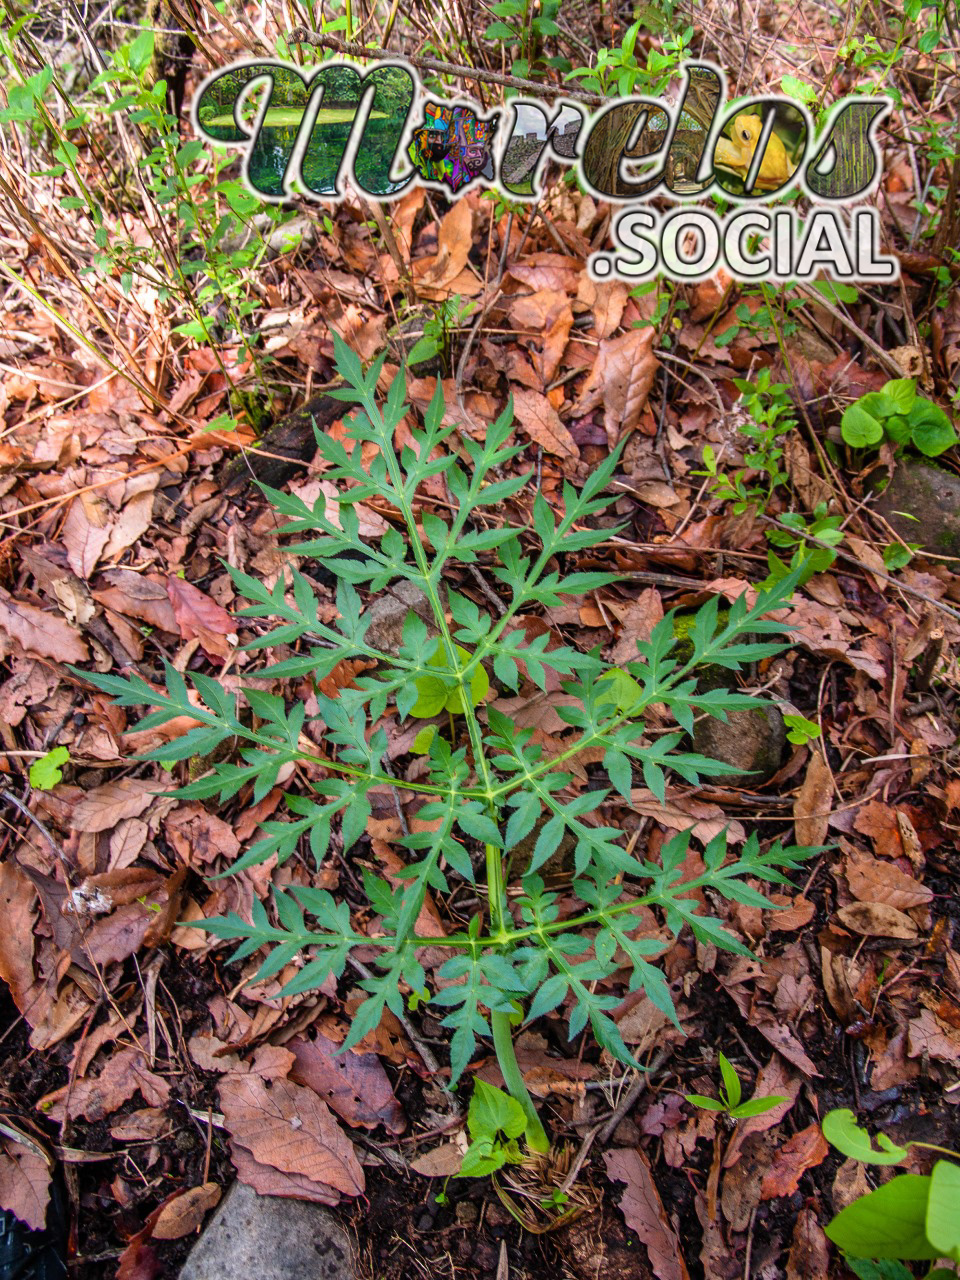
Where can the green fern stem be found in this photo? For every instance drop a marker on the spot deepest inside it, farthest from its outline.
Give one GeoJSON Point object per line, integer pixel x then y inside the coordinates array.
{"type": "Point", "coordinates": [536, 1135]}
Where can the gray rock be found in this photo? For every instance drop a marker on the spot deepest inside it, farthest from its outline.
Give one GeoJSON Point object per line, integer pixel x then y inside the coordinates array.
{"type": "Point", "coordinates": [932, 497]}
{"type": "Point", "coordinates": [748, 740]}
{"type": "Point", "coordinates": [253, 1237]}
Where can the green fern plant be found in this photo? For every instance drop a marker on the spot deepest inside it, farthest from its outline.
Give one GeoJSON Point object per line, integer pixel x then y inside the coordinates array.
{"type": "Point", "coordinates": [489, 787]}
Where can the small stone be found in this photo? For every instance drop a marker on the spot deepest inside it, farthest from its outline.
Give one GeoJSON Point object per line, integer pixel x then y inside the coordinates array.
{"type": "Point", "coordinates": [270, 1238]}
{"type": "Point", "coordinates": [751, 740]}
{"type": "Point", "coordinates": [929, 495]}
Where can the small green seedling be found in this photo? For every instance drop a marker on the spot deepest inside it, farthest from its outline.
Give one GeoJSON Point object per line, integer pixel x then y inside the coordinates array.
{"type": "Point", "coordinates": [45, 773]}
{"type": "Point", "coordinates": [911, 1218]}
{"type": "Point", "coordinates": [731, 1091]}
{"type": "Point", "coordinates": [897, 414]}
{"type": "Point", "coordinates": [800, 730]}
{"type": "Point", "coordinates": [495, 1122]}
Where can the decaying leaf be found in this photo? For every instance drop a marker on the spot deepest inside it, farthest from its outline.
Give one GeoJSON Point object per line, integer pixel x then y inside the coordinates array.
{"type": "Point", "coordinates": [185, 1212]}
{"type": "Point", "coordinates": [287, 1126]}
{"type": "Point", "coordinates": [644, 1213]}
{"type": "Point", "coordinates": [24, 1183]}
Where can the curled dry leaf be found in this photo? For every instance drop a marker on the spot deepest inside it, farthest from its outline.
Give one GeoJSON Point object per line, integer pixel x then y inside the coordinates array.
{"type": "Point", "coordinates": [876, 920]}
{"type": "Point", "coordinates": [805, 1150]}
{"type": "Point", "coordinates": [124, 1074]}
{"type": "Point", "coordinates": [644, 1213]}
{"type": "Point", "coordinates": [620, 381]}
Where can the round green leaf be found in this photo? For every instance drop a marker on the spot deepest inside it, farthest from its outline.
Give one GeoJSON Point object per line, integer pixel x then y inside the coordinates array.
{"type": "Point", "coordinates": [435, 695]}
{"type": "Point", "coordinates": [624, 691]}
{"type": "Point", "coordinates": [930, 429]}
{"type": "Point", "coordinates": [859, 428]}
{"type": "Point", "coordinates": [897, 428]}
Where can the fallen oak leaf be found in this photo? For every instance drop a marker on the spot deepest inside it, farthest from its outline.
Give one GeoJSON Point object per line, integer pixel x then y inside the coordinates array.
{"type": "Point", "coordinates": [542, 423]}
{"type": "Point", "coordinates": [287, 1126]}
{"type": "Point", "coordinates": [24, 1183]}
{"type": "Point", "coordinates": [644, 1213]}
{"type": "Point", "coordinates": [185, 1212]}
{"type": "Point", "coordinates": [876, 920]}
{"type": "Point", "coordinates": [805, 1150]}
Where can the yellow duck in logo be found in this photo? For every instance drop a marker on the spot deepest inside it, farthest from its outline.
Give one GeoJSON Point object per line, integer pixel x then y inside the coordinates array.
{"type": "Point", "coordinates": [737, 154]}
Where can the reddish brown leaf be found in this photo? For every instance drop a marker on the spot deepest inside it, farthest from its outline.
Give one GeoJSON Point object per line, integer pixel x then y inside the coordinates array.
{"type": "Point", "coordinates": [873, 881]}
{"type": "Point", "coordinates": [644, 1213]}
{"type": "Point", "coordinates": [286, 1125]}
{"type": "Point", "coordinates": [201, 618]}
{"type": "Point", "coordinates": [805, 1150]}
{"type": "Point", "coordinates": [875, 920]}
{"type": "Point", "coordinates": [355, 1085]}
{"type": "Point", "coordinates": [48, 635]}
{"type": "Point", "coordinates": [267, 1181]}
{"type": "Point", "coordinates": [542, 423]}
{"type": "Point", "coordinates": [185, 1212]}
{"type": "Point", "coordinates": [24, 1183]}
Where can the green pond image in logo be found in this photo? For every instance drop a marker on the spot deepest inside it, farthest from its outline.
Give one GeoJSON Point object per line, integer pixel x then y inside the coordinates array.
{"type": "Point", "coordinates": [344, 94]}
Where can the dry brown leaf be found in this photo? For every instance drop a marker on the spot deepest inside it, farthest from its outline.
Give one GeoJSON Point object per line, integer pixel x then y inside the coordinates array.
{"type": "Point", "coordinates": [102, 808]}
{"type": "Point", "coordinates": [873, 881]}
{"type": "Point", "coordinates": [267, 1181]}
{"type": "Point", "coordinates": [186, 1212]}
{"type": "Point", "coordinates": [814, 802]}
{"type": "Point", "coordinates": [682, 813]}
{"type": "Point", "coordinates": [542, 423]}
{"type": "Point", "coordinates": [636, 624]}
{"type": "Point", "coordinates": [443, 273]}
{"type": "Point", "coordinates": [18, 910]}
{"type": "Point", "coordinates": [47, 635]}
{"type": "Point", "coordinates": [140, 1126]}
{"type": "Point", "coordinates": [620, 381]}
{"type": "Point", "coordinates": [606, 299]}
{"type": "Point", "coordinates": [86, 531]}
{"type": "Point", "coordinates": [740, 1192]}
{"type": "Point", "coordinates": [24, 1183]}
{"type": "Point", "coordinates": [549, 314]}
{"type": "Point", "coordinates": [200, 837]}
{"type": "Point", "coordinates": [135, 596]}
{"type": "Point", "coordinates": [124, 1073]}
{"type": "Point", "coordinates": [200, 618]}
{"type": "Point", "coordinates": [644, 1213]}
{"type": "Point", "coordinates": [287, 1126]}
{"type": "Point", "coordinates": [355, 1085]}
{"type": "Point", "coordinates": [875, 920]}
{"type": "Point", "coordinates": [809, 1257]}
{"type": "Point", "coordinates": [441, 1162]}
{"type": "Point", "coordinates": [931, 1036]}
{"type": "Point", "coordinates": [773, 1080]}
{"type": "Point", "coordinates": [805, 1150]}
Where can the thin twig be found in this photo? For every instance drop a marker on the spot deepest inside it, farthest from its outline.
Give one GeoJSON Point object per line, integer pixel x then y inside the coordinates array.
{"type": "Point", "coordinates": [302, 36]}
